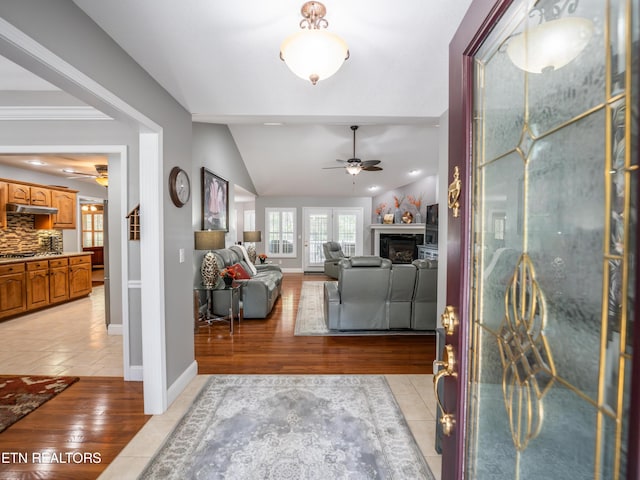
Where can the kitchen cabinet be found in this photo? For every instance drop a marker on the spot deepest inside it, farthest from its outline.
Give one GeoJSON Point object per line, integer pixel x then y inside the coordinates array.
{"type": "Point", "coordinates": [19, 193]}
{"type": "Point", "coordinates": [3, 204]}
{"type": "Point", "coordinates": [12, 289]}
{"type": "Point", "coordinates": [79, 276]}
{"type": "Point", "coordinates": [40, 196]}
{"type": "Point", "coordinates": [37, 284]}
{"type": "Point", "coordinates": [65, 202]}
{"type": "Point", "coordinates": [58, 280]}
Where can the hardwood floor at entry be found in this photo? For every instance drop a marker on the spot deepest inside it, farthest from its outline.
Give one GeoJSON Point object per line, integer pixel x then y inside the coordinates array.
{"type": "Point", "coordinates": [267, 346]}
{"type": "Point", "coordinates": [102, 414]}
{"type": "Point", "coordinates": [95, 417]}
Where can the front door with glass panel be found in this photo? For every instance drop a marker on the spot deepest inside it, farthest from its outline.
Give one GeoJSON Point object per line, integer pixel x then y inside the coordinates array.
{"type": "Point", "coordinates": [342, 225]}
{"type": "Point", "coordinates": [553, 182]}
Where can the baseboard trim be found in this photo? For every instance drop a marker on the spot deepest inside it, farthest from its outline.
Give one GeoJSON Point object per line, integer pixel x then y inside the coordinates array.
{"type": "Point", "coordinates": [292, 270]}
{"type": "Point", "coordinates": [114, 329]}
{"type": "Point", "coordinates": [181, 382]}
{"type": "Point", "coordinates": [135, 374]}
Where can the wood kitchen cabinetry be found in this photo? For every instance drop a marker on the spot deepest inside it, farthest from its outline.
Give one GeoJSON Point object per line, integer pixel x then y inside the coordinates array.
{"type": "Point", "coordinates": [58, 280]}
{"type": "Point", "coordinates": [79, 276]}
{"type": "Point", "coordinates": [65, 202]}
{"type": "Point", "coordinates": [13, 297]}
{"type": "Point", "coordinates": [34, 284]}
{"type": "Point", "coordinates": [37, 284]}
{"type": "Point", "coordinates": [24, 193]}
{"type": "Point", "coordinates": [3, 204]}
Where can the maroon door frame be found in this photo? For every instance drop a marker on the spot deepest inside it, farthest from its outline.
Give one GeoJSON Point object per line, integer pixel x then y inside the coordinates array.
{"type": "Point", "coordinates": [474, 28]}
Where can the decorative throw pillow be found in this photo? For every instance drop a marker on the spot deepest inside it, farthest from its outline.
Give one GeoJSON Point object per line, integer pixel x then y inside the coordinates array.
{"type": "Point", "coordinates": [239, 273]}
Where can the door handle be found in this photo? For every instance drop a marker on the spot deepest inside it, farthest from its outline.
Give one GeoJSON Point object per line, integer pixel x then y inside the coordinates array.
{"type": "Point", "coordinates": [448, 365]}
{"type": "Point", "coordinates": [449, 319]}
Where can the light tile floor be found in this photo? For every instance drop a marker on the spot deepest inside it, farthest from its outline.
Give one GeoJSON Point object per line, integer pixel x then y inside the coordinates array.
{"type": "Point", "coordinates": [70, 339]}
{"type": "Point", "coordinates": [414, 394]}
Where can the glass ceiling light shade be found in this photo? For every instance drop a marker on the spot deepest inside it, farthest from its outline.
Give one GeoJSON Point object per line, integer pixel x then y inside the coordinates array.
{"type": "Point", "coordinates": [104, 181]}
{"type": "Point", "coordinates": [550, 45]}
{"type": "Point", "coordinates": [354, 169]}
{"type": "Point", "coordinates": [313, 53]}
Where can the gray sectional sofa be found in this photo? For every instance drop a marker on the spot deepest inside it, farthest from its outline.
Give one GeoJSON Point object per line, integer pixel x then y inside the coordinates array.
{"type": "Point", "coordinates": [259, 293]}
{"type": "Point", "coordinates": [373, 294]}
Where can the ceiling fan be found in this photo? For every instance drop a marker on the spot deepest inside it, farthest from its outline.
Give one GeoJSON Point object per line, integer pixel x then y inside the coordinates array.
{"type": "Point", "coordinates": [102, 175]}
{"type": "Point", "coordinates": [354, 165]}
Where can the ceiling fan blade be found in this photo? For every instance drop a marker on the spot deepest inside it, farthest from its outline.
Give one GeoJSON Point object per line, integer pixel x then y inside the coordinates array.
{"type": "Point", "coordinates": [370, 163]}
{"type": "Point", "coordinates": [372, 169]}
{"type": "Point", "coordinates": [330, 168]}
{"type": "Point", "coordinates": [341, 161]}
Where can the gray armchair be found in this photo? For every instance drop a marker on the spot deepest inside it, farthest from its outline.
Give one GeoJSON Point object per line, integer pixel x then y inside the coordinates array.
{"type": "Point", "coordinates": [332, 255]}
{"type": "Point", "coordinates": [358, 300]}
{"type": "Point", "coordinates": [425, 308]}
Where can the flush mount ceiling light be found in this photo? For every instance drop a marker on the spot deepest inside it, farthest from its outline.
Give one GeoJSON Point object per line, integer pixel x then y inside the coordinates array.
{"type": "Point", "coordinates": [314, 53]}
{"type": "Point", "coordinates": [554, 42]}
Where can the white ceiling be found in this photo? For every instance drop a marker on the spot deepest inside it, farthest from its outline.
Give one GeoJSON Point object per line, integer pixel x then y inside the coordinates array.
{"type": "Point", "coordinates": [220, 60]}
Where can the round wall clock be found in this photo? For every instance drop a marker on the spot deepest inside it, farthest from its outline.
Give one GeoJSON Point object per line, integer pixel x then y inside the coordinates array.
{"type": "Point", "coordinates": [179, 186]}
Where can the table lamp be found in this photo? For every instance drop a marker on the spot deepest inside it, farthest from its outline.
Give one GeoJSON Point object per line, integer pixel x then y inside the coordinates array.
{"type": "Point", "coordinates": [253, 238]}
{"type": "Point", "coordinates": [209, 240]}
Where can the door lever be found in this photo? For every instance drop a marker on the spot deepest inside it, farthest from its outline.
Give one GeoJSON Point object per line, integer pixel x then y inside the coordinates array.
{"type": "Point", "coordinates": [448, 370]}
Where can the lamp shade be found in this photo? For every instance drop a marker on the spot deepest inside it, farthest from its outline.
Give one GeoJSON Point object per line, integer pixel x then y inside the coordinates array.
{"type": "Point", "coordinates": [209, 240]}
{"type": "Point", "coordinates": [104, 181]}
{"type": "Point", "coordinates": [551, 45]}
{"type": "Point", "coordinates": [314, 54]}
{"type": "Point", "coordinates": [252, 236]}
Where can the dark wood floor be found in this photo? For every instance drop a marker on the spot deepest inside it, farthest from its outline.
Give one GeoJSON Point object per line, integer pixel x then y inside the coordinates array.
{"type": "Point", "coordinates": [101, 414]}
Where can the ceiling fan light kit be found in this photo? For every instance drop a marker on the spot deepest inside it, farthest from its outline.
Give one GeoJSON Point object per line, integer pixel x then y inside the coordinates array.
{"type": "Point", "coordinates": [313, 53]}
{"type": "Point", "coordinates": [354, 165]}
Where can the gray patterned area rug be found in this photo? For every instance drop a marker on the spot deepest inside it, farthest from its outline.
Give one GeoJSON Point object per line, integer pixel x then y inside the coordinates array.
{"type": "Point", "coordinates": [302, 427]}
{"type": "Point", "coordinates": [310, 316]}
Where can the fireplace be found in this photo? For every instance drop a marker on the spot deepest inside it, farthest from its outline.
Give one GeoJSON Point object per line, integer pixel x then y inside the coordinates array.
{"type": "Point", "coordinates": [400, 247]}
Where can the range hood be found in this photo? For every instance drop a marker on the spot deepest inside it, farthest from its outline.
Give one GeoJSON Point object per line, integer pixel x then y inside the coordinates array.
{"type": "Point", "coordinates": [30, 209]}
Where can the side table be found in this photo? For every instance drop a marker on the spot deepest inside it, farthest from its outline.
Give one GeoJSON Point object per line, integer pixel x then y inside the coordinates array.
{"type": "Point", "coordinates": [235, 292]}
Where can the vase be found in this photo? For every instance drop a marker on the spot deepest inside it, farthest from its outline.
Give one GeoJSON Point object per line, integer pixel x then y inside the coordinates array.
{"type": "Point", "coordinates": [379, 218]}
{"type": "Point", "coordinates": [417, 218]}
{"type": "Point", "coordinates": [397, 216]}
{"type": "Point", "coordinates": [228, 281]}
{"type": "Point", "coordinates": [262, 260]}
{"type": "Point", "coordinates": [209, 270]}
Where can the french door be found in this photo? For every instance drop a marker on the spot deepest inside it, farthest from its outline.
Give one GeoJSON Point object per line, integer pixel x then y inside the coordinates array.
{"type": "Point", "coordinates": [342, 225]}
{"type": "Point", "coordinates": [541, 322]}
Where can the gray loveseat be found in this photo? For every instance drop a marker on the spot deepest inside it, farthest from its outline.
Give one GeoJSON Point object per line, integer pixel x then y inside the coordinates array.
{"type": "Point", "coordinates": [373, 294]}
{"type": "Point", "coordinates": [259, 293]}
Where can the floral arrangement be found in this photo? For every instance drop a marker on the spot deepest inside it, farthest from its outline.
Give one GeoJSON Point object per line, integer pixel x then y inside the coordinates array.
{"type": "Point", "coordinates": [415, 201]}
{"type": "Point", "coordinates": [226, 272]}
{"type": "Point", "coordinates": [262, 256]}
{"type": "Point", "coordinates": [380, 208]}
{"type": "Point", "coordinates": [397, 201]}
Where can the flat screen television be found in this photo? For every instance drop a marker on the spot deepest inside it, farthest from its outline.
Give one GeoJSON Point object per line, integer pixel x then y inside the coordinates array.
{"type": "Point", "coordinates": [431, 225]}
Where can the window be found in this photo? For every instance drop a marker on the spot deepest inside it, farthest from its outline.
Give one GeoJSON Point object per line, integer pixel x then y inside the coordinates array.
{"type": "Point", "coordinates": [249, 220]}
{"type": "Point", "coordinates": [92, 226]}
{"type": "Point", "coordinates": [280, 226]}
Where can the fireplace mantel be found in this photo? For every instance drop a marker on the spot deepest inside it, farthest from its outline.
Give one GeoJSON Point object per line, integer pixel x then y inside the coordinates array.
{"type": "Point", "coordinates": [378, 228]}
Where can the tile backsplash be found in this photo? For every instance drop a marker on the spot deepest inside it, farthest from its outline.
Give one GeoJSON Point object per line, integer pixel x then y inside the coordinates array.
{"type": "Point", "coordinates": [21, 236]}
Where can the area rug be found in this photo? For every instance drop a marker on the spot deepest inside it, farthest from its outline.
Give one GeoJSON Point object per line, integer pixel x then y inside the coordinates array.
{"type": "Point", "coordinates": [21, 395]}
{"type": "Point", "coordinates": [310, 316]}
{"type": "Point", "coordinates": [301, 427]}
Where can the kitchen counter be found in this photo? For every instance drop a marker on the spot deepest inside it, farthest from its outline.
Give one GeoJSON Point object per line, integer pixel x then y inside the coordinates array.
{"type": "Point", "coordinates": [5, 261]}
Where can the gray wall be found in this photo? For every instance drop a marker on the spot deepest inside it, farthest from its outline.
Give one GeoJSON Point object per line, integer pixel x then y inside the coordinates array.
{"type": "Point", "coordinates": [299, 203]}
{"type": "Point", "coordinates": [68, 33]}
{"type": "Point", "coordinates": [443, 210]}
{"type": "Point", "coordinates": [83, 133]}
{"type": "Point", "coordinates": [215, 149]}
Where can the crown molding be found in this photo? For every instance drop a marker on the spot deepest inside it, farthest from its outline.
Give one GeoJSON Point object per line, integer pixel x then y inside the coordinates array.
{"type": "Point", "coordinates": [51, 113]}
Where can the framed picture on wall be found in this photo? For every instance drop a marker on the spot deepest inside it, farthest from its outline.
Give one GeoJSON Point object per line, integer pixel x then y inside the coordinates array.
{"type": "Point", "coordinates": [215, 202]}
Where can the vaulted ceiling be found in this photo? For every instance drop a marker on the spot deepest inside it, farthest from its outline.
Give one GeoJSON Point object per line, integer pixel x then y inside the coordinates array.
{"type": "Point", "coordinates": [220, 60]}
